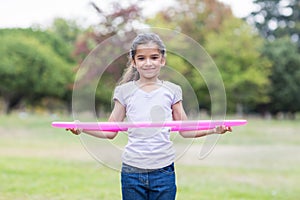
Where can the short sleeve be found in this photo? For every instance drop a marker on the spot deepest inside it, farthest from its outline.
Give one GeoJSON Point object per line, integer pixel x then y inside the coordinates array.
{"type": "Point", "coordinates": [118, 95]}
{"type": "Point", "coordinates": [177, 94]}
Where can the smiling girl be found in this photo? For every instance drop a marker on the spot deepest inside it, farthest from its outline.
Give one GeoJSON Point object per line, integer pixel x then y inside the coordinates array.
{"type": "Point", "coordinates": [148, 158]}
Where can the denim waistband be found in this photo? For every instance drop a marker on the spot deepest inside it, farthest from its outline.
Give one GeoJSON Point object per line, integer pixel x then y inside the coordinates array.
{"type": "Point", "coordinates": [131, 169]}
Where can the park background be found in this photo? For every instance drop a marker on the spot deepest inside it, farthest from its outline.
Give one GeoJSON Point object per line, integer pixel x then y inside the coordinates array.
{"type": "Point", "coordinates": [257, 56]}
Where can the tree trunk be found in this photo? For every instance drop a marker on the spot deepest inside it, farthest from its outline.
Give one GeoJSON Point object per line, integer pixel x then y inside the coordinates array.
{"type": "Point", "coordinates": [239, 109]}
{"type": "Point", "coordinates": [10, 103]}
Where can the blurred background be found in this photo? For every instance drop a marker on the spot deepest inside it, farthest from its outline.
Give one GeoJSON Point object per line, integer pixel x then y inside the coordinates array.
{"type": "Point", "coordinates": [257, 52]}
{"type": "Point", "coordinates": [255, 45]}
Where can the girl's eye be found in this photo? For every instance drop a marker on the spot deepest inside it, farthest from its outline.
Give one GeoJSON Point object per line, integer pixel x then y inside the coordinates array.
{"type": "Point", "coordinates": [155, 57]}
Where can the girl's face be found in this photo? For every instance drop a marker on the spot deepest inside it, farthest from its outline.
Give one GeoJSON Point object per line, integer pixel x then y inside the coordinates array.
{"type": "Point", "coordinates": [148, 61]}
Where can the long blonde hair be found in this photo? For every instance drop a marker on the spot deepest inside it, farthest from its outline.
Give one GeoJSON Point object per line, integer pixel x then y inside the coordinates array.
{"type": "Point", "coordinates": [130, 73]}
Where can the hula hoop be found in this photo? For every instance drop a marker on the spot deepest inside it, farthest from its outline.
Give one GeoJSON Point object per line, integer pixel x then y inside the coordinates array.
{"type": "Point", "coordinates": [173, 125]}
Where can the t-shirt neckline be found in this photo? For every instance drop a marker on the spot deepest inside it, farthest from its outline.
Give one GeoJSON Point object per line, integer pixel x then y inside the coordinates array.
{"type": "Point", "coordinates": [160, 84]}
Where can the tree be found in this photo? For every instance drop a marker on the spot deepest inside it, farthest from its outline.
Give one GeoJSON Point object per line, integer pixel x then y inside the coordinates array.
{"type": "Point", "coordinates": [237, 52]}
{"type": "Point", "coordinates": [194, 18]}
{"type": "Point", "coordinates": [211, 24]}
{"type": "Point", "coordinates": [277, 18]}
{"type": "Point", "coordinates": [67, 30]}
{"type": "Point", "coordinates": [279, 21]}
{"type": "Point", "coordinates": [119, 21]}
{"type": "Point", "coordinates": [29, 69]}
{"type": "Point", "coordinates": [284, 77]}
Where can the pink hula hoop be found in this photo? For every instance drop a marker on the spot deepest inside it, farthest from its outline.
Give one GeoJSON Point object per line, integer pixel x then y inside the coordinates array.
{"type": "Point", "coordinates": [173, 125]}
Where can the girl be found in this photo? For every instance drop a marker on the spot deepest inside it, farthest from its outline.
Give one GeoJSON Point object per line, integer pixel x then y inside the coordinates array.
{"type": "Point", "coordinates": [148, 158]}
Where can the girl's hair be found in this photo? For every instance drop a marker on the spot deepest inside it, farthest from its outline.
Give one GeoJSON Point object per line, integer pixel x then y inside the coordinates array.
{"type": "Point", "coordinates": [131, 73]}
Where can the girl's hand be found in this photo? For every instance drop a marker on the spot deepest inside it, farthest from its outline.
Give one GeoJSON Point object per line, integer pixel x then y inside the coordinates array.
{"type": "Point", "coordinates": [222, 129]}
{"type": "Point", "coordinates": [74, 131]}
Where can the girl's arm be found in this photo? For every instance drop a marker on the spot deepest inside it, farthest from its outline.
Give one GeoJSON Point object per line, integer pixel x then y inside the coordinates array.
{"type": "Point", "coordinates": [180, 115]}
{"type": "Point", "coordinates": [117, 115]}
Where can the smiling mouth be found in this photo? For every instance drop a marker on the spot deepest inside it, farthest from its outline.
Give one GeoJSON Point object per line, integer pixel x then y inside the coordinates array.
{"type": "Point", "coordinates": [149, 68]}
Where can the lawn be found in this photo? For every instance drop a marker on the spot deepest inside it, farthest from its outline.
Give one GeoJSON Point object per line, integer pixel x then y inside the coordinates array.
{"type": "Point", "coordinates": [256, 161]}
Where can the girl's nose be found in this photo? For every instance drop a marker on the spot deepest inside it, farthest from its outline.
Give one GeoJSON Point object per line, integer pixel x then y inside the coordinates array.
{"type": "Point", "coordinates": [148, 61]}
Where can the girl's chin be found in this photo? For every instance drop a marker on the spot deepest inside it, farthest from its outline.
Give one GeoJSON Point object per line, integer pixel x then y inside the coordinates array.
{"type": "Point", "coordinates": [150, 77]}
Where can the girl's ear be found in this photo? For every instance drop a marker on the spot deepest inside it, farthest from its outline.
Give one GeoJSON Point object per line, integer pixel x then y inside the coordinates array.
{"type": "Point", "coordinates": [163, 61]}
{"type": "Point", "coordinates": [132, 63]}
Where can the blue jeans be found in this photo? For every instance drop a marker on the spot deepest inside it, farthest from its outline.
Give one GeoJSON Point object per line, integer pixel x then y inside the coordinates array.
{"type": "Point", "coordinates": [144, 184]}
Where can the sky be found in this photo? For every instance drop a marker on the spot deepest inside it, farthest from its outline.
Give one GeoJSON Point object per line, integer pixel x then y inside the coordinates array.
{"type": "Point", "coordinates": [25, 13]}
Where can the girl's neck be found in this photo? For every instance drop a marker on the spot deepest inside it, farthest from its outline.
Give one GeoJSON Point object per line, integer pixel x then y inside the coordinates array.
{"type": "Point", "coordinates": [149, 86]}
{"type": "Point", "coordinates": [148, 81]}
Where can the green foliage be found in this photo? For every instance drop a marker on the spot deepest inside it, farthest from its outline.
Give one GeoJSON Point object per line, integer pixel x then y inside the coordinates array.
{"type": "Point", "coordinates": [31, 69]}
{"type": "Point", "coordinates": [285, 75]}
{"type": "Point", "coordinates": [196, 19]}
{"type": "Point", "coordinates": [37, 63]}
{"type": "Point", "coordinates": [67, 30]}
{"type": "Point", "coordinates": [106, 60]}
{"type": "Point", "coordinates": [277, 18]}
{"type": "Point", "coordinates": [236, 51]}
{"type": "Point", "coordinates": [193, 18]}
{"type": "Point", "coordinates": [46, 38]}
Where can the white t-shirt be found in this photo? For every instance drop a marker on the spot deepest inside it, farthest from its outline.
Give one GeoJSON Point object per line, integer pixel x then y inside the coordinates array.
{"type": "Point", "coordinates": [148, 148]}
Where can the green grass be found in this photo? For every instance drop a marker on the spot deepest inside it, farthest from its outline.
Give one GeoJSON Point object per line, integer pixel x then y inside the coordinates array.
{"type": "Point", "coordinates": [256, 161]}
{"type": "Point", "coordinates": [236, 183]}
{"type": "Point", "coordinates": [42, 178]}
{"type": "Point", "coordinates": [258, 131]}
